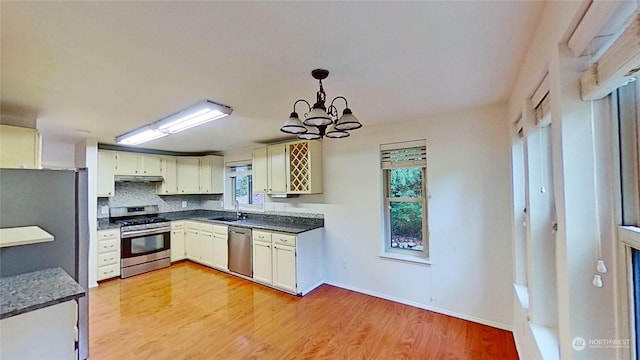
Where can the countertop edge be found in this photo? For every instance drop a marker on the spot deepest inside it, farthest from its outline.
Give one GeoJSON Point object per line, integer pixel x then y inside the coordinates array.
{"type": "Point", "coordinates": [26, 292]}
{"type": "Point", "coordinates": [40, 306]}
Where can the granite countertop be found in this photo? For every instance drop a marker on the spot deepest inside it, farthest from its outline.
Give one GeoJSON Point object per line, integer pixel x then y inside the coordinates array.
{"type": "Point", "coordinates": [293, 228]}
{"type": "Point", "coordinates": [23, 293]}
{"type": "Point", "coordinates": [288, 224]}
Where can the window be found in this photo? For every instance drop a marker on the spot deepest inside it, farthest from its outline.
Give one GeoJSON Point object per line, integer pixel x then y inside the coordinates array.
{"type": "Point", "coordinates": [629, 145]}
{"type": "Point", "coordinates": [241, 186]}
{"type": "Point", "coordinates": [404, 168]}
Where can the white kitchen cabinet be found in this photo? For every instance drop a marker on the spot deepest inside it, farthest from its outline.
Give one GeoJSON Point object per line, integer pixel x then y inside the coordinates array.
{"type": "Point", "coordinates": [151, 165]}
{"type": "Point", "coordinates": [277, 158]}
{"type": "Point", "coordinates": [106, 171]}
{"type": "Point", "coordinates": [292, 263]}
{"type": "Point", "coordinates": [108, 253]}
{"type": "Point", "coordinates": [127, 163]}
{"type": "Point", "coordinates": [262, 257]}
{"type": "Point", "coordinates": [204, 183]}
{"type": "Point", "coordinates": [284, 265]}
{"type": "Point", "coordinates": [131, 163]}
{"type": "Point", "coordinates": [20, 148]}
{"type": "Point", "coordinates": [192, 241]}
{"type": "Point", "coordinates": [304, 161]}
{"type": "Point", "coordinates": [206, 245]}
{"type": "Point", "coordinates": [259, 168]}
{"type": "Point", "coordinates": [169, 171]}
{"type": "Point", "coordinates": [178, 251]}
{"type": "Point", "coordinates": [292, 168]}
{"type": "Point", "coordinates": [220, 259]}
{"type": "Point", "coordinates": [188, 175]}
{"type": "Point", "coordinates": [46, 333]}
{"type": "Point", "coordinates": [211, 174]}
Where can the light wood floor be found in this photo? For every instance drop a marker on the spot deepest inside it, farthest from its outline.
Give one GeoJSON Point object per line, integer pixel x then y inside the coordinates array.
{"type": "Point", "coordinates": [188, 311]}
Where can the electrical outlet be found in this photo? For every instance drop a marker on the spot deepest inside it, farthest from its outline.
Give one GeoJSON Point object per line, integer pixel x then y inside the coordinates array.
{"type": "Point", "coordinates": [184, 204]}
{"type": "Point", "coordinates": [105, 210]}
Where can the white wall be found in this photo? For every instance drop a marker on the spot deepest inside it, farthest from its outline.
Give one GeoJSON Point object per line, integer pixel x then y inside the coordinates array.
{"type": "Point", "coordinates": [57, 154]}
{"type": "Point", "coordinates": [470, 244]}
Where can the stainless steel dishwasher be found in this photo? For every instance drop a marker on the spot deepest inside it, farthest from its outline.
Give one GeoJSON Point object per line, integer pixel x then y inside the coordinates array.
{"type": "Point", "coordinates": [240, 250]}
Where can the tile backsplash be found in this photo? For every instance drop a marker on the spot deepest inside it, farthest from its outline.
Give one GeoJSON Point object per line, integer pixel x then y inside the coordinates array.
{"type": "Point", "coordinates": [134, 193]}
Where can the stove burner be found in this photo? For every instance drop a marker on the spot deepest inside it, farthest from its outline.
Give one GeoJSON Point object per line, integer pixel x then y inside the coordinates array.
{"type": "Point", "coordinates": [141, 221]}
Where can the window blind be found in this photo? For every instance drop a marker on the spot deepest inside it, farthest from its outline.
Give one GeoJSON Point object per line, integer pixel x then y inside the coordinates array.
{"type": "Point", "coordinates": [540, 101]}
{"type": "Point", "coordinates": [519, 125]}
{"type": "Point", "coordinates": [543, 112]}
{"type": "Point", "coordinates": [409, 154]}
{"type": "Point", "coordinates": [617, 65]}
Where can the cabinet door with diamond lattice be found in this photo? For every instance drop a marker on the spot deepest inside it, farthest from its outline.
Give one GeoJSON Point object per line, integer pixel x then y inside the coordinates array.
{"type": "Point", "coordinates": [305, 163]}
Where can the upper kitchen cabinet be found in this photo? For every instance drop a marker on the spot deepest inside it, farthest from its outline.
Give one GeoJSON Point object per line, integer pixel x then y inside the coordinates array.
{"type": "Point", "coordinates": [289, 168]}
{"type": "Point", "coordinates": [20, 147]}
{"type": "Point", "coordinates": [106, 172]}
{"type": "Point", "coordinates": [211, 174]}
{"type": "Point", "coordinates": [259, 166]}
{"type": "Point", "coordinates": [151, 165]}
{"type": "Point", "coordinates": [277, 160]}
{"type": "Point", "coordinates": [169, 172]}
{"type": "Point", "coordinates": [130, 163]}
{"type": "Point", "coordinates": [304, 160]}
{"type": "Point", "coordinates": [188, 175]}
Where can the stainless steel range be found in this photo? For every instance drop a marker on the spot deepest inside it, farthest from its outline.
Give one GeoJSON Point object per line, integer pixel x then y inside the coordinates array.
{"type": "Point", "coordinates": [145, 239]}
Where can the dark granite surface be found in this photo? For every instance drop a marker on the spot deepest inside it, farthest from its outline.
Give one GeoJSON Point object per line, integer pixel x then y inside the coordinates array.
{"type": "Point", "coordinates": [23, 293]}
{"type": "Point", "coordinates": [288, 224]}
{"type": "Point", "coordinates": [103, 223]}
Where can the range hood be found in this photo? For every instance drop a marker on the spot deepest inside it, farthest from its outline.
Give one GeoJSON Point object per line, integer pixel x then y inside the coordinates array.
{"type": "Point", "coordinates": [138, 178]}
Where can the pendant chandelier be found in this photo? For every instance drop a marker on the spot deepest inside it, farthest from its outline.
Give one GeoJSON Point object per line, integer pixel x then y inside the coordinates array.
{"type": "Point", "coordinates": [321, 121]}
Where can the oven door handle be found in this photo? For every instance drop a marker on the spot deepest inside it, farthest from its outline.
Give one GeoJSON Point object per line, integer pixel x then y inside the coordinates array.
{"type": "Point", "coordinates": [137, 233]}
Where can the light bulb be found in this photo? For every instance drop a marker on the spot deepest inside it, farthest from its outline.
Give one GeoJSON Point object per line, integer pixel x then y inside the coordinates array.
{"type": "Point", "coordinates": [601, 266]}
{"type": "Point", "coordinates": [597, 281]}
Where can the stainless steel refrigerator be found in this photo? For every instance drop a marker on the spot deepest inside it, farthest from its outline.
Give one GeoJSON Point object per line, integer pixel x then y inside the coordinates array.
{"type": "Point", "coordinates": [56, 201]}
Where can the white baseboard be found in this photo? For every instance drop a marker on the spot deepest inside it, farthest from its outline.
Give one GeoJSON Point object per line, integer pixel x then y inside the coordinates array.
{"type": "Point", "coordinates": [426, 307]}
{"type": "Point", "coordinates": [312, 287]}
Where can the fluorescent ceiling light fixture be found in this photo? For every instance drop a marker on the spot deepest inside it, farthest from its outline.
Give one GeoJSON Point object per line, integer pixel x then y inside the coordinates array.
{"type": "Point", "coordinates": [198, 114]}
{"type": "Point", "coordinates": [140, 136]}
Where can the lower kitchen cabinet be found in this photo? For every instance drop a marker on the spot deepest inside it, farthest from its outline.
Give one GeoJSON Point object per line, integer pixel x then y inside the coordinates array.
{"type": "Point", "coordinates": [262, 262]}
{"type": "Point", "coordinates": [288, 262]}
{"type": "Point", "coordinates": [206, 247]}
{"type": "Point", "coordinates": [108, 253]}
{"type": "Point", "coordinates": [220, 248]}
{"type": "Point", "coordinates": [192, 241]}
{"type": "Point", "coordinates": [47, 333]}
{"type": "Point", "coordinates": [284, 265]}
{"type": "Point", "coordinates": [178, 251]}
{"type": "Point", "coordinates": [206, 244]}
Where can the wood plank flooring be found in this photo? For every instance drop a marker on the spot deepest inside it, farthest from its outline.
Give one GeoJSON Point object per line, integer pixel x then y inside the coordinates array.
{"type": "Point", "coordinates": [188, 311]}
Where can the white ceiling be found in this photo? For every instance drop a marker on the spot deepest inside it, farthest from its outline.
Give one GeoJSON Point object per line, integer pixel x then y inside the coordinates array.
{"type": "Point", "coordinates": [109, 67]}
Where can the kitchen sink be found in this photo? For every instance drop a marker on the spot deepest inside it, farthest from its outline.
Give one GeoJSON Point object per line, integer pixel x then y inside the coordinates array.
{"type": "Point", "coordinates": [224, 218]}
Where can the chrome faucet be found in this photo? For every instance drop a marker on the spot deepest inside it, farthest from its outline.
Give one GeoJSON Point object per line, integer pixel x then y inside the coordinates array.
{"type": "Point", "coordinates": [239, 214]}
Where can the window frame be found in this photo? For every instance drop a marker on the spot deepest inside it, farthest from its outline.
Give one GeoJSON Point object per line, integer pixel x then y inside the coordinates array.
{"type": "Point", "coordinates": [231, 182]}
{"type": "Point", "coordinates": [386, 251]}
{"type": "Point", "coordinates": [628, 185]}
